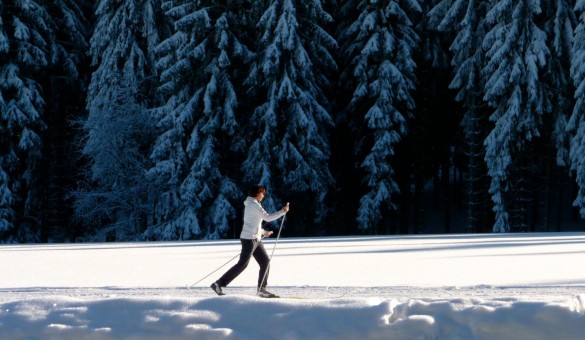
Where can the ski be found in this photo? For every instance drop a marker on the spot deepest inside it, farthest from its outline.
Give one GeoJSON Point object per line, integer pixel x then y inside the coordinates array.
{"type": "Point", "coordinates": [263, 293]}
{"type": "Point", "coordinates": [297, 297]}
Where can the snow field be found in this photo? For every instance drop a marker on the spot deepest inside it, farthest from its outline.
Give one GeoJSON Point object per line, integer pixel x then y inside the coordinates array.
{"type": "Point", "coordinates": [520, 286]}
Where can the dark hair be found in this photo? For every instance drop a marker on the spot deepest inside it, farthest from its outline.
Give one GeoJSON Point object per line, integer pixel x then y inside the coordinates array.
{"type": "Point", "coordinates": [255, 190]}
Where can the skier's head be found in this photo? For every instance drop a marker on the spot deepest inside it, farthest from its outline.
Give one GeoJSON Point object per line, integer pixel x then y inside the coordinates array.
{"type": "Point", "coordinates": [256, 189]}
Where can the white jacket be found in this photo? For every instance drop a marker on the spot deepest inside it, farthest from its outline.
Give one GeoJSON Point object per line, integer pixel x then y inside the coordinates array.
{"type": "Point", "coordinates": [254, 214]}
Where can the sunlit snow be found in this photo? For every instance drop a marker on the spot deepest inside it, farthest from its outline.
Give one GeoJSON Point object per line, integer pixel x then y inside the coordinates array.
{"type": "Point", "coordinates": [495, 286]}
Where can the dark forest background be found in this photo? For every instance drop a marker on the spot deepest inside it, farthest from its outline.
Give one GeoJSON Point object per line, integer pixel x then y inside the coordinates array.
{"type": "Point", "coordinates": [148, 120]}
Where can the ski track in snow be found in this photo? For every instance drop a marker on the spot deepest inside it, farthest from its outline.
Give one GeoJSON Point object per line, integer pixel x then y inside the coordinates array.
{"type": "Point", "coordinates": [401, 294]}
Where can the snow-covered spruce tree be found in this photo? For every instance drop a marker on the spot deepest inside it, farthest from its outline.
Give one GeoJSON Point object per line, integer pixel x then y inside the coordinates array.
{"type": "Point", "coordinates": [576, 124]}
{"type": "Point", "coordinates": [380, 45]}
{"type": "Point", "coordinates": [114, 202]}
{"type": "Point", "coordinates": [198, 122]}
{"type": "Point", "coordinates": [559, 28]}
{"type": "Point", "coordinates": [29, 48]}
{"type": "Point", "coordinates": [517, 53]}
{"type": "Point", "coordinates": [466, 19]}
{"type": "Point", "coordinates": [289, 129]}
{"type": "Point", "coordinates": [560, 21]}
{"type": "Point", "coordinates": [123, 51]}
{"type": "Point", "coordinates": [431, 45]}
{"type": "Point", "coordinates": [6, 200]}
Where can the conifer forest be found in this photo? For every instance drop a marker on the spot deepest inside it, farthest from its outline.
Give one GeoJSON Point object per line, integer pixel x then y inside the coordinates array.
{"type": "Point", "coordinates": [137, 120]}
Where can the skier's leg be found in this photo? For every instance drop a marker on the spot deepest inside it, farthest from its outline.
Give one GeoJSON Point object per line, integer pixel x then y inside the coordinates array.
{"type": "Point", "coordinates": [263, 260]}
{"type": "Point", "coordinates": [238, 268]}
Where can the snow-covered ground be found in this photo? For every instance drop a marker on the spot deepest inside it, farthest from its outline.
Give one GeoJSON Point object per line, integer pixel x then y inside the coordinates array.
{"type": "Point", "coordinates": [503, 286]}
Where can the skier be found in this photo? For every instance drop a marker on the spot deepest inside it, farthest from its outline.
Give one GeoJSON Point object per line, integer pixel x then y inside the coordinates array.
{"type": "Point", "coordinates": [251, 239]}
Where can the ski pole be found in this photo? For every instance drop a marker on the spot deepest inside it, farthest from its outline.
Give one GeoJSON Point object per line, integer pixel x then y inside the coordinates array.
{"type": "Point", "coordinates": [208, 275]}
{"type": "Point", "coordinates": [270, 258]}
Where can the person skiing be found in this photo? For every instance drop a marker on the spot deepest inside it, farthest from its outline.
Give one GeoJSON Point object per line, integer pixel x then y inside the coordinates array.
{"type": "Point", "coordinates": [251, 239]}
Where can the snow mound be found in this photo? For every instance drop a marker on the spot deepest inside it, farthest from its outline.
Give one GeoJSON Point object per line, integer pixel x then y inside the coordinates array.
{"type": "Point", "coordinates": [250, 317]}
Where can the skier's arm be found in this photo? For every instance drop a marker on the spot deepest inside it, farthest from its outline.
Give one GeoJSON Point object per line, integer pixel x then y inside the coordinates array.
{"type": "Point", "coordinates": [271, 217]}
{"type": "Point", "coordinates": [274, 216]}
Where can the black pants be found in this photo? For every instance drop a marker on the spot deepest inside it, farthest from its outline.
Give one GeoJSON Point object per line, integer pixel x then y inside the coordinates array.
{"type": "Point", "coordinates": [249, 248]}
